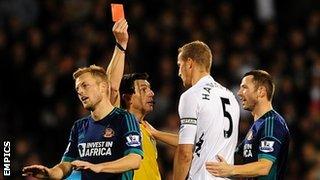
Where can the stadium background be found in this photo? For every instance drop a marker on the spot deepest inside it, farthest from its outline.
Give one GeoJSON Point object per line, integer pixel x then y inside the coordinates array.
{"type": "Point", "coordinates": [42, 42]}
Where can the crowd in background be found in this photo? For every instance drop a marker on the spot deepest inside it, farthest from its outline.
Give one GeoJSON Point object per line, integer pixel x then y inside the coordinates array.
{"type": "Point", "coordinates": [43, 42]}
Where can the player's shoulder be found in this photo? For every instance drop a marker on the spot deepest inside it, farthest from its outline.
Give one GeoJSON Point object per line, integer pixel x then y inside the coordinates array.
{"type": "Point", "coordinates": [120, 111]}
{"type": "Point", "coordinates": [196, 89]}
{"type": "Point", "coordinates": [125, 115]}
{"type": "Point", "coordinates": [273, 120]}
{"type": "Point", "coordinates": [279, 121]}
{"type": "Point", "coordinates": [191, 96]}
{"type": "Point", "coordinates": [207, 85]}
{"type": "Point", "coordinates": [81, 121]}
{"type": "Point", "coordinates": [274, 116]}
{"type": "Point", "coordinates": [190, 93]}
{"type": "Point", "coordinates": [122, 115]}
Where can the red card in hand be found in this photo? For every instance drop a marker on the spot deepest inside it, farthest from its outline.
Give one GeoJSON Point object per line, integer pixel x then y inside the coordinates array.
{"type": "Point", "coordinates": [117, 12]}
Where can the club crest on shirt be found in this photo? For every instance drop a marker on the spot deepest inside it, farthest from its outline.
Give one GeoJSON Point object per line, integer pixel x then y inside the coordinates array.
{"type": "Point", "coordinates": [108, 133]}
{"type": "Point", "coordinates": [249, 135]}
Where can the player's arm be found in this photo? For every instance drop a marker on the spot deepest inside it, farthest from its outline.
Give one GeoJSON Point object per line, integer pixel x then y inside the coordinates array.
{"type": "Point", "coordinates": [166, 137]}
{"type": "Point", "coordinates": [188, 106]}
{"type": "Point", "coordinates": [260, 168]}
{"type": "Point", "coordinates": [182, 161]}
{"type": "Point", "coordinates": [270, 144]}
{"type": "Point", "coordinates": [128, 162]}
{"type": "Point", "coordinates": [116, 66]}
{"type": "Point", "coordinates": [59, 171]}
{"type": "Point", "coordinates": [222, 169]}
{"type": "Point", "coordinates": [268, 151]}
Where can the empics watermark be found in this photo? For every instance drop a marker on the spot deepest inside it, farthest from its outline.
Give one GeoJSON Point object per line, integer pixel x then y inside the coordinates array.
{"type": "Point", "coordinates": [6, 158]}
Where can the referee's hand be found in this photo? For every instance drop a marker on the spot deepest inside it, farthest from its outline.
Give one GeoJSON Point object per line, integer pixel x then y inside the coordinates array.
{"type": "Point", "coordinates": [149, 128]}
{"type": "Point", "coordinates": [120, 32]}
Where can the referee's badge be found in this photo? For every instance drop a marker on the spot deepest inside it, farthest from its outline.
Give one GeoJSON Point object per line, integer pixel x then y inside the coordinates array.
{"type": "Point", "coordinates": [108, 133]}
{"type": "Point", "coordinates": [249, 135]}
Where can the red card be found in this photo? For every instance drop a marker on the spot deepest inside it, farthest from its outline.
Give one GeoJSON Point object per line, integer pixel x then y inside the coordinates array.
{"type": "Point", "coordinates": [117, 12]}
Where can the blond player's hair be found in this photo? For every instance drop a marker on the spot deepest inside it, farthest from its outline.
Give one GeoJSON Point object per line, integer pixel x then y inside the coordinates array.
{"type": "Point", "coordinates": [197, 51]}
{"type": "Point", "coordinates": [95, 71]}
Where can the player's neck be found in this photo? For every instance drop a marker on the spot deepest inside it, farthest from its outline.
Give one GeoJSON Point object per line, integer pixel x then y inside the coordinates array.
{"type": "Point", "coordinates": [197, 75]}
{"type": "Point", "coordinates": [138, 114]}
{"type": "Point", "coordinates": [102, 110]}
{"type": "Point", "coordinates": [260, 109]}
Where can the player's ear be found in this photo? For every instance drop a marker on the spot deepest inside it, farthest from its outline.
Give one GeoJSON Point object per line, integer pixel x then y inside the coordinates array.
{"type": "Point", "coordinates": [189, 63]}
{"type": "Point", "coordinates": [104, 86]}
{"type": "Point", "coordinates": [262, 91]}
{"type": "Point", "coordinates": [127, 99]}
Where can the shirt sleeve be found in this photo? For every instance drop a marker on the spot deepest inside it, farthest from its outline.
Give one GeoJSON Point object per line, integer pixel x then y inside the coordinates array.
{"type": "Point", "coordinates": [71, 152]}
{"type": "Point", "coordinates": [188, 112]}
{"type": "Point", "coordinates": [239, 149]}
{"type": "Point", "coordinates": [271, 139]}
{"type": "Point", "coordinates": [132, 135]}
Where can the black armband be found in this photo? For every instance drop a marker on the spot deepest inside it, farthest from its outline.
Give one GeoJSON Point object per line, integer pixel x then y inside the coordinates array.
{"type": "Point", "coordinates": [120, 47]}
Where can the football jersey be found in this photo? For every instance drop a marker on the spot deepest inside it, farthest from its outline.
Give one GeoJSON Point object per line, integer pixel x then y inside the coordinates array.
{"type": "Point", "coordinates": [108, 139]}
{"type": "Point", "coordinates": [209, 115]}
{"type": "Point", "coordinates": [149, 169]}
{"type": "Point", "coordinates": [268, 138]}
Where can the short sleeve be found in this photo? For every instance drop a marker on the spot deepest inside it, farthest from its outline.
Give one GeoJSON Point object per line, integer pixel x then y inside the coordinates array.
{"type": "Point", "coordinates": [271, 139]}
{"type": "Point", "coordinates": [71, 152]}
{"type": "Point", "coordinates": [188, 113]}
{"type": "Point", "coordinates": [239, 149]}
{"type": "Point", "coordinates": [132, 135]}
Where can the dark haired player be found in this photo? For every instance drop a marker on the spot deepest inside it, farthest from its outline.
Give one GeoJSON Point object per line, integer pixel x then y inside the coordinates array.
{"type": "Point", "coordinates": [265, 149]}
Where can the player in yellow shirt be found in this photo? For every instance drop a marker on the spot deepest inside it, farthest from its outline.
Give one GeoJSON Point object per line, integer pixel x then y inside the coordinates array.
{"type": "Point", "coordinates": [136, 97]}
{"type": "Point", "coordinates": [149, 168]}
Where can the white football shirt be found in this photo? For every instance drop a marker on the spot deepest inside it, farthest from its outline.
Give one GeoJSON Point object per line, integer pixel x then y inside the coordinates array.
{"type": "Point", "coordinates": [209, 115]}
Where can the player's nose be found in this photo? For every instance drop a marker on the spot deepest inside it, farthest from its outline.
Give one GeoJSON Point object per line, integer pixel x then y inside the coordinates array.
{"type": "Point", "coordinates": [80, 91]}
{"type": "Point", "coordinates": [239, 93]}
{"type": "Point", "coordinates": [151, 93]}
